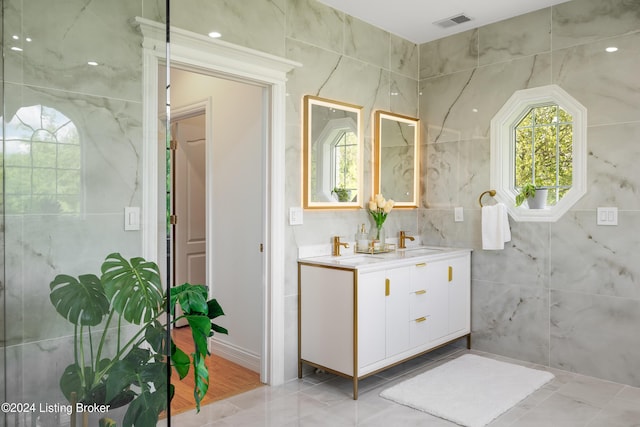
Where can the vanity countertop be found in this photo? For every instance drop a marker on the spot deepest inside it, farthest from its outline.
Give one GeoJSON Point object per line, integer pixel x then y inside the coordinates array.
{"type": "Point", "coordinates": [399, 257]}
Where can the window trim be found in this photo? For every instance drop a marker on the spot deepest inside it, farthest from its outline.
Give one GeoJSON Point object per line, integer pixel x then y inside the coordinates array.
{"type": "Point", "coordinates": [502, 152]}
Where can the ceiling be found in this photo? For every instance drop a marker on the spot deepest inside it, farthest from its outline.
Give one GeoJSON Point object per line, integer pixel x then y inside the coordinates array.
{"type": "Point", "coordinates": [414, 19]}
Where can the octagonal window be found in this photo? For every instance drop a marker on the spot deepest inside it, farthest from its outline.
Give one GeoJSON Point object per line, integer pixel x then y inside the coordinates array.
{"type": "Point", "coordinates": [538, 138]}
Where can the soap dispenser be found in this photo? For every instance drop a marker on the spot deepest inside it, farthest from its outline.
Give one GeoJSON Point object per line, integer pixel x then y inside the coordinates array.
{"type": "Point", "coordinates": [362, 239]}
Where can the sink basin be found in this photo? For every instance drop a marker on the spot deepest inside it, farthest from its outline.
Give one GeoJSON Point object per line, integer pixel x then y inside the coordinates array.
{"type": "Point", "coordinates": [357, 259]}
{"type": "Point", "coordinates": [421, 251]}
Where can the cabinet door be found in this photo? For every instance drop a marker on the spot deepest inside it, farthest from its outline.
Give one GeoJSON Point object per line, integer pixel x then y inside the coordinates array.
{"type": "Point", "coordinates": [438, 299]}
{"type": "Point", "coordinates": [459, 294]}
{"type": "Point", "coordinates": [371, 318]}
{"type": "Point", "coordinates": [397, 283]}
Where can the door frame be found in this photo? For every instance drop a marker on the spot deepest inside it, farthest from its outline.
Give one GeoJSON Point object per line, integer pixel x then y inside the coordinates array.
{"type": "Point", "coordinates": [219, 57]}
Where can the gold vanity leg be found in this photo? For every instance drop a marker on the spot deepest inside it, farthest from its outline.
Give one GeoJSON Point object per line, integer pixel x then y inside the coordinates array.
{"type": "Point", "coordinates": [355, 388]}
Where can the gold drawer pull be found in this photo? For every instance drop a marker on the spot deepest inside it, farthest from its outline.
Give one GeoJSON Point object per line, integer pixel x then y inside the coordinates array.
{"type": "Point", "coordinates": [450, 273]}
{"type": "Point", "coordinates": [421, 319]}
{"type": "Point", "coordinates": [422, 264]}
{"type": "Point", "coordinates": [387, 287]}
{"type": "Point", "coordinates": [421, 291]}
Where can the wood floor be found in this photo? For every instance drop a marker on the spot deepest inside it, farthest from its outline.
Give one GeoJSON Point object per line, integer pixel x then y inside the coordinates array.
{"type": "Point", "coordinates": [226, 378]}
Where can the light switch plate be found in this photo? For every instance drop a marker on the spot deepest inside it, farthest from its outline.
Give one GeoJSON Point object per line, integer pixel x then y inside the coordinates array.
{"type": "Point", "coordinates": [295, 216]}
{"type": "Point", "coordinates": [131, 218]}
{"type": "Point", "coordinates": [607, 216]}
{"type": "Point", "coordinates": [458, 215]}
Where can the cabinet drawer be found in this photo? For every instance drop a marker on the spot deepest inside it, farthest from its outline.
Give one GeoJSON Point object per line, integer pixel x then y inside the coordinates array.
{"type": "Point", "coordinates": [418, 306]}
{"type": "Point", "coordinates": [419, 331]}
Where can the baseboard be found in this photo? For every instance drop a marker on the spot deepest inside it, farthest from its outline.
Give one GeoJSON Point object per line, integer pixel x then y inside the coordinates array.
{"type": "Point", "coordinates": [235, 354]}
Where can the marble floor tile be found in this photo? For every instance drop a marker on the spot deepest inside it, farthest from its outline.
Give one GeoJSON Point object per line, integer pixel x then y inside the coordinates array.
{"type": "Point", "coordinates": [322, 399]}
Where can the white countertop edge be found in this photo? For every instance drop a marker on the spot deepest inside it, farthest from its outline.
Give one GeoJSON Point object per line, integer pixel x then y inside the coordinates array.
{"type": "Point", "coordinates": [383, 260]}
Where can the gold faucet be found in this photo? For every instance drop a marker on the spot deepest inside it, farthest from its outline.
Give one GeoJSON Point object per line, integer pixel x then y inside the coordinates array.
{"type": "Point", "coordinates": [403, 237]}
{"type": "Point", "coordinates": [336, 245]}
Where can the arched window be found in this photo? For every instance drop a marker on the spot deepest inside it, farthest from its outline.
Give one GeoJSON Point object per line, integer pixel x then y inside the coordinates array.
{"type": "Point", "coordinates": [539, 137]}
{"type": "Point", "coordinates": [344, 162]}
{"type": "Point", "coordinates": [42, 162]}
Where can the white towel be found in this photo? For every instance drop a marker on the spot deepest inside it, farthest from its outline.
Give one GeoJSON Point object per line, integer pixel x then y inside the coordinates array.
{"type": "Point", "coordinates": [495, 227]}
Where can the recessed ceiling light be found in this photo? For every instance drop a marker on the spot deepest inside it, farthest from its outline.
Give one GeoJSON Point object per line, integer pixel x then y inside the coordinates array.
{"type": "Point", "coordinates": [28, 39]}
{"type": "Point", "coordinates": [16, 48]}
{"type": "Point", "coordinates": [15, 37]}
{"type": "Point", "coordinates": [94, 63]}
{"type": "Point", "coordinates": [611, 49]}
{"type": "Point", "coordinates": [215, 35]}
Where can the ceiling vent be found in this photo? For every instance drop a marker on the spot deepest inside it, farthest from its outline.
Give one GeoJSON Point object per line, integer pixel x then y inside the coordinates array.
{"type": "Point", "coordinates": [454, 20]}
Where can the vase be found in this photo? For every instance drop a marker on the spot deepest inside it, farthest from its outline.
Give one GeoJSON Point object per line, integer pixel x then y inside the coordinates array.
{"type": "Point", "coordinates": [539, 200]}
{"type": "Point", "coordinates": [378, 237]}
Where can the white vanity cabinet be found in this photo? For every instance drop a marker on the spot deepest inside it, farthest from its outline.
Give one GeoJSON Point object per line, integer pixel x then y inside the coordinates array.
{"type": "Point", "coordinates": [356, 320]}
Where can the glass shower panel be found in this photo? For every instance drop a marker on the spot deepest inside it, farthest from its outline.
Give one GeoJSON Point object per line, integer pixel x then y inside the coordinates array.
{"type": "Point", "coordinates": [72, 120]}
{"type": "Point", "coordinates": [3, 323]}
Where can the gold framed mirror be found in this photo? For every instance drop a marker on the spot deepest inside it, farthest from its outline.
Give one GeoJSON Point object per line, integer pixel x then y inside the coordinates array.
{"type": "Point", "coordinates": [396, 171]}
{"type": "Point", "coordinates": [332, 154]}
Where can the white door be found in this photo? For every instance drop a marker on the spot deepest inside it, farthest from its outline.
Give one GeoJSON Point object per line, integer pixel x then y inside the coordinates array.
{"type": "Point", "coordinates": [190, 208]}
{"type": "Point", "coordinates": [238, 206]}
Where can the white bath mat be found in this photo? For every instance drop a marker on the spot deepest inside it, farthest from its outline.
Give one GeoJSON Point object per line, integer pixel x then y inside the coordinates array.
{"type": "Point", "coordinates": [470, 390]}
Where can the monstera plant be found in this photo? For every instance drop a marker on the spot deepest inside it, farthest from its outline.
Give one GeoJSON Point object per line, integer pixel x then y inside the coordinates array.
{"type": "Point", "coordinates": [113, 368]}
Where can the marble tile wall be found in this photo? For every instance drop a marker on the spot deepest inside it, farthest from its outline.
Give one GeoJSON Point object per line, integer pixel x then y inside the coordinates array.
{"type": "Point", "coordinates": [564, 294]}
{"type": "Point", "coordinates": [104, 102]}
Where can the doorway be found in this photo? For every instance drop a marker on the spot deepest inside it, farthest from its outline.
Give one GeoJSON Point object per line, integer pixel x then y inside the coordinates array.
{"type": "Point", "coordinates": [231, 60]}
{"type": "Point", "coordinates": [220, 202]}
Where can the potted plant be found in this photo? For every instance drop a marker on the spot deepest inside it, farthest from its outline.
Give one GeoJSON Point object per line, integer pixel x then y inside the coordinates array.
{"type": "Point", "coordinates": [536, 197]}
{"type": "Point", "coordinates": [342, 194]}
{"type": "Point", "coordinates": [131, 371]}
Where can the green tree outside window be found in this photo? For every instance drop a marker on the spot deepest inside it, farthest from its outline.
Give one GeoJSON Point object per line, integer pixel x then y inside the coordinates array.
{"type": "Point", "coordinates": [543, 150]}
{"type": "Point", "coordinates": [345, 162]}
{"type": "Point", "coordinates": [41, 162]}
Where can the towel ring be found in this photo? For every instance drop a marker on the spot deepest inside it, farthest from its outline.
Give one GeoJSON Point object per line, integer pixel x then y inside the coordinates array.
{"type": "Point", "coordinates": [490, 192]}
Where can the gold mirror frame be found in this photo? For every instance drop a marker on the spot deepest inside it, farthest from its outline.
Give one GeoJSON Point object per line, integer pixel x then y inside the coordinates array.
{"type": "Point", "coordinates": [331, 129]}
{"type": "Point", "coordinates": [396, 168]}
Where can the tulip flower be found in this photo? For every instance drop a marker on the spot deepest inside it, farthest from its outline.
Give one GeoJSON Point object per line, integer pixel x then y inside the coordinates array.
{"type": "Point", "coordinates": [379, 208]}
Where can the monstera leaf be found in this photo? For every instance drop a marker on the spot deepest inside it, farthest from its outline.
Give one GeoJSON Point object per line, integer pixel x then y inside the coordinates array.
{"type": "Point", "coordinates": [180, 361]}
{"type": "Point", "coordinates": [134, 288]}
{"type": "Point", "coordinates": [81, 301]}
{"type": "Point", "coordinates": [192, 298]}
